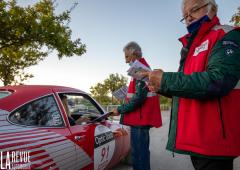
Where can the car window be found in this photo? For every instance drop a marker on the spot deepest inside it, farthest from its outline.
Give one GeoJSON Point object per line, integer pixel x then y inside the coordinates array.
{"type": "Point", "coordinates": [4, 94]}
{"type": "Point", "coordinates": [42, 112]}
{"type": "Point", "coordinates": [79, 108]}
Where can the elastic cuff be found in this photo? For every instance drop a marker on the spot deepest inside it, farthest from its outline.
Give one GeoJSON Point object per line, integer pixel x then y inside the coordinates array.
{"type": "Point", "coordinates": [162, 83]}
{"type": "Point", "coordinates": [119, 110]}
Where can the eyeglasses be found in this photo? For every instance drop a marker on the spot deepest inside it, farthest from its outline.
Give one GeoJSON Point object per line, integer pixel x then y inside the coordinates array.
{"type": "Point", "coordinates": [192, 12]}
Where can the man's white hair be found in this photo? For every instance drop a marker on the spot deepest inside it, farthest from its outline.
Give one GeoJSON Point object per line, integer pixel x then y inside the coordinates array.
{"type": "Point", "coordinates": [134, 48]}
{"type": "Point", "coordinates": [213, 5]}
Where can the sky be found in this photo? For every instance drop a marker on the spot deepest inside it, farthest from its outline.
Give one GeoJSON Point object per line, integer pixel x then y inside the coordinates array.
{"type": "Point", "coordinates": [106, 26]}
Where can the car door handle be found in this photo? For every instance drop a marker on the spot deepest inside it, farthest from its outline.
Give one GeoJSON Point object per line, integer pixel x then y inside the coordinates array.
{"type": "Point", "coordinates": [79, 137]}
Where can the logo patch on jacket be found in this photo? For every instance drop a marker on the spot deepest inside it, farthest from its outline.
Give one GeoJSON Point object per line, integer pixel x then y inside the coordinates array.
{"type": "Point", "coordinates": [229, 51]}
{"type": "Point", "coordinates": [230, 43]}
{"type": "Point", "coordinates": [201, 48]}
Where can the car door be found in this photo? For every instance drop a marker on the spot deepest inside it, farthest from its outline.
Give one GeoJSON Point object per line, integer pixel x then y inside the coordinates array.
{"type": "Point", "coordinates": [46, 134]}
{"type": "Point", "coordinates": [94, 138]}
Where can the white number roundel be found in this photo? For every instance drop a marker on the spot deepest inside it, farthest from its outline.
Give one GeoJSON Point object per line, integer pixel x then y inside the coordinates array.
{"type": "Point", "coordinates": [104, 145]}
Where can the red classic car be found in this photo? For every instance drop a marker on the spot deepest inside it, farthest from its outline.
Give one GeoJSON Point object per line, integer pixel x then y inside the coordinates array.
{"type": "Point", "coordinates": [54, 127]}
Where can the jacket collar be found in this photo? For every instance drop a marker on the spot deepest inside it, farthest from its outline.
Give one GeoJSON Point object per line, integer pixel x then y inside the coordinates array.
{"type": "Point", "coordinates": [143, 61]}
{"type": "Point", "coordinates": [203, 30]}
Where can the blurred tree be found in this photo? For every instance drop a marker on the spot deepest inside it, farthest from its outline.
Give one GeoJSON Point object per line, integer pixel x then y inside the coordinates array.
{"type": "Point", "coordinates": [165, 102]}
{"type": "Point", "coordinates": [114, 82]}
{"type": "Point", "coordinates": [102, 91]}
{"type": "Point", "coordinates": [29, 34]}
{"type": "Point", "coordinates": [236, 18]}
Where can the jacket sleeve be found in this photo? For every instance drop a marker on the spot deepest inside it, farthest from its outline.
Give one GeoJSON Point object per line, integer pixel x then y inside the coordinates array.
{"type": "Point", "coordinates": [137, 100]}
{"type": "Point", "coordinates": [220, 77]}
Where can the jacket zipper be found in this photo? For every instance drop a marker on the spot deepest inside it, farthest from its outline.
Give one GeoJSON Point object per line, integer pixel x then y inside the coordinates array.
{"type": "Point", "coordinates": [221, 117]}
{"type": "Point", "coordinates": [169, 132]}
{"type": "Point", "coordinates": [174, 148]}
{"type": "Point", "coordinates": [140, 113]}
{"type": "Point", "coordinates": [170, 123]}
{"type": "Point", "coordinates": [185, 53]}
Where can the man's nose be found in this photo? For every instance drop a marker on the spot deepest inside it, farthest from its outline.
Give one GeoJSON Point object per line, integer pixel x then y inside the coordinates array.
{"type": "Point", "coordinates": [189, 19]}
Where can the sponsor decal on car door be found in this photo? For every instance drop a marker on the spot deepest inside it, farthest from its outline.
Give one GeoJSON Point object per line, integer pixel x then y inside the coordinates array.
{"type": "Point", "coordinates": [104, 145]}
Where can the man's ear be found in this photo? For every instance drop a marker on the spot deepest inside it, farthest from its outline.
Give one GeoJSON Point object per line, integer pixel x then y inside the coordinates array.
{"type": "Point", "coordinates": [137, 53]}
{"type": "Point", "coordinates": [134, 57]}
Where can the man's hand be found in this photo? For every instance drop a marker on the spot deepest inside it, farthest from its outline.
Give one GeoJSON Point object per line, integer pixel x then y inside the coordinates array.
{"type": "Point", "coordinates": [115, 112]}
{"type": "Point", "coordinates": [155, 78]}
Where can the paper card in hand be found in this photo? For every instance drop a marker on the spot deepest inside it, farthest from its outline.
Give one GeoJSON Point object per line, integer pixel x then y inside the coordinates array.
{"type": "Point", "coordinates": [120, 93]}
{"type": "Point", "coordinates": [135, 70]}
{"type": "Point", "coordinates": [102, 117]}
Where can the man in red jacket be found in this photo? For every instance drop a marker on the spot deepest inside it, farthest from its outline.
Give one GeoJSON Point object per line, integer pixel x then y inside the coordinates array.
{"type": "Point", "coordinates": [141, 111]}
{"type": "Point", "coordinates": [205, 90]}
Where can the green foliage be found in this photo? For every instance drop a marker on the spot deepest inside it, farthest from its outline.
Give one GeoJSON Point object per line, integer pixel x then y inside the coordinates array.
{"type": "Point", "coordinates": [102, 91]}
{"type": "Point", "coordinates": [114, 82]}
{"type": "Point", "coordinates": [236, 18]}
{"type": "Point", "coordinates": [29, 34]}
{"type": "Point", "coordinates": [165, 100]}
